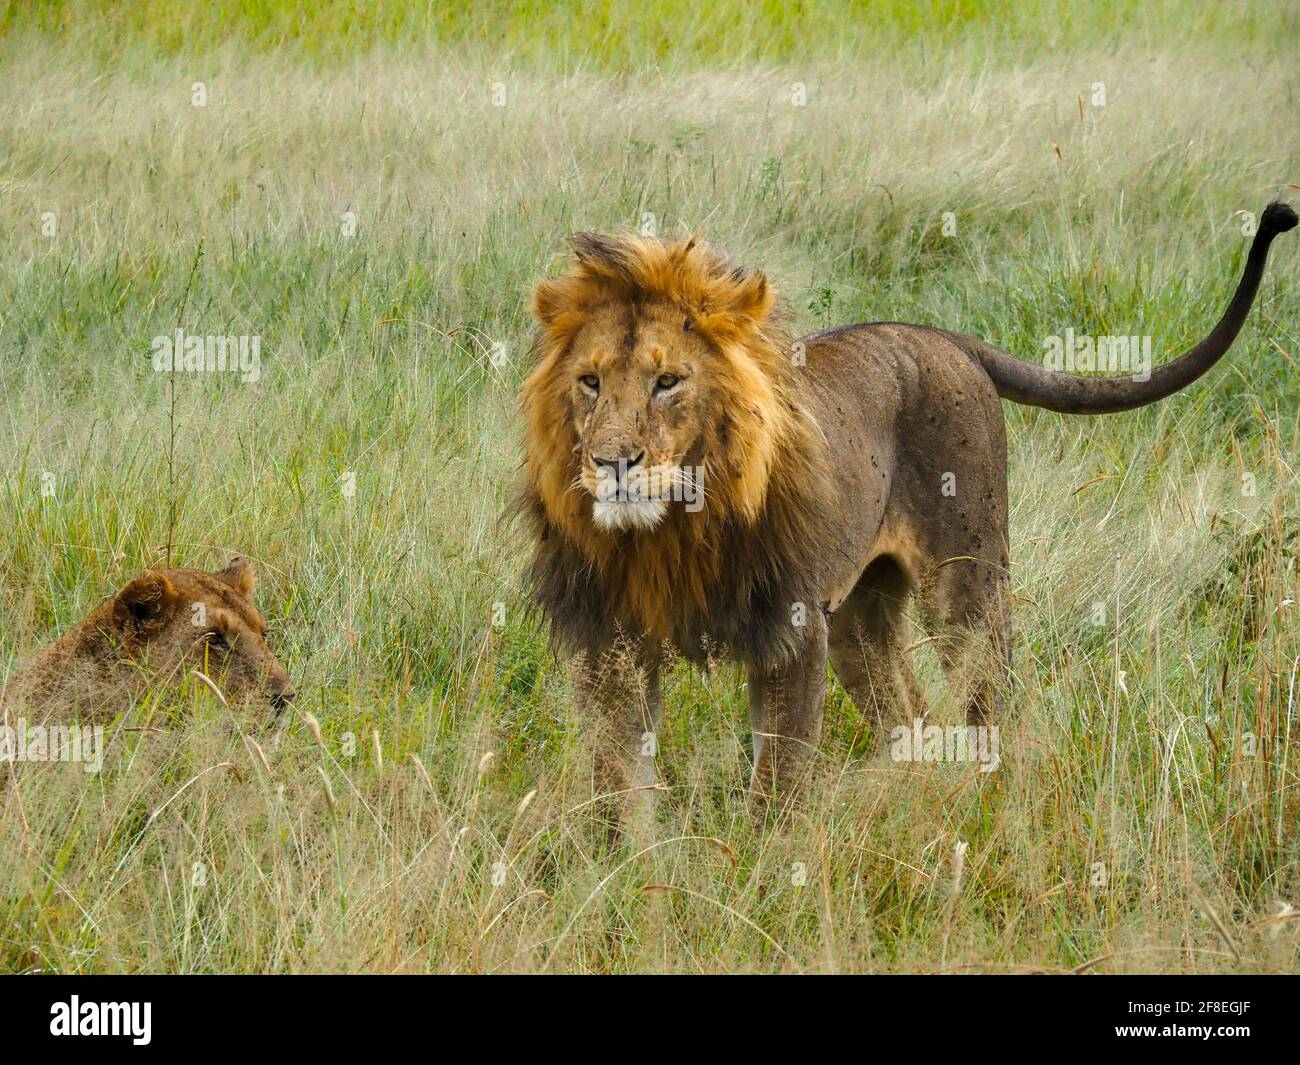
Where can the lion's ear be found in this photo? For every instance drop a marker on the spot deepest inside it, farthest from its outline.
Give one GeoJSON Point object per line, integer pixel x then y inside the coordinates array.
{"type": "Point", "coordinates": [146, 603]}
{"type": "Point", "coordinates": [557, 306]}
{"type": "Point", "coordinates": [597, 258]}
{"type": "Point", "coordinates": [548, 301]}
{"type": "Point", "coordinates": [739, 300]}
{"type": "Point", "coordinates": [752, 296]}
{"type": "Point", "coordinates": [239, 575]}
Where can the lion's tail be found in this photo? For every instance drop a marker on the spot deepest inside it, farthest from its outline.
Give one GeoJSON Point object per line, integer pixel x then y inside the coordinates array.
{"type": "Point", "coordinates": [1036, 386]}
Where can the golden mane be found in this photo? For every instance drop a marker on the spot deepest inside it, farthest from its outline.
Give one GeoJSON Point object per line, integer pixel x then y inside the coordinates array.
{"type": "Point", "coordinates": [764, 462]}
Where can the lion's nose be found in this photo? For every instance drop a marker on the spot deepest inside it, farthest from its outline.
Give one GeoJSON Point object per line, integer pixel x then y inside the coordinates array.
{"type": "Point", "coordinates": [619, 466]}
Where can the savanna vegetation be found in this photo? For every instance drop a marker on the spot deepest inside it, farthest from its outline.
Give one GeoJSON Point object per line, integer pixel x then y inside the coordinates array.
{"type": "Point", "coordinates": [370, 189]}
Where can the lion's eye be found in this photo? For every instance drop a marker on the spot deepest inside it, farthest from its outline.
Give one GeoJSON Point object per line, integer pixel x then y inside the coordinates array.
{"type": "Point", "coordinates": [665, 381]}
{"type": "Point", "coordinates": [590, 382]}
{"type": "Point", "coordinates": [687, 326]}
{"type": "Point", "coordinates": [217, 640]}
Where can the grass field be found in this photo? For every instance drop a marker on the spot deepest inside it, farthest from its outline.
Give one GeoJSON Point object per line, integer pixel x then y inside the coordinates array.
{"type": "Point", "coordinates": [351, 192]}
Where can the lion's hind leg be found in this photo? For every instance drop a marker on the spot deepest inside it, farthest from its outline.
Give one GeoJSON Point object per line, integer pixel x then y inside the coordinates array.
{"type": "Point", "coordinates": [967, 604]}
{"type": "Point", "coordinates": [867, 648]}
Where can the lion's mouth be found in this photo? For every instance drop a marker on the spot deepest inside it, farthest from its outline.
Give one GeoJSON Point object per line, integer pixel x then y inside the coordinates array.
{"type": "Point", "coordinates": [639, 499]}
{"type": "Point", "coordinates": [620, 515]}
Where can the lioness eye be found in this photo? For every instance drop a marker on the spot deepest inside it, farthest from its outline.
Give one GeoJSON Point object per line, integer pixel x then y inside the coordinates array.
{"type": "Point", "coordinates": [590, 382]}
{"type": "Point", "coordinates": [217, 639]}
{"type": "Point", "coordinates": [667, 381]}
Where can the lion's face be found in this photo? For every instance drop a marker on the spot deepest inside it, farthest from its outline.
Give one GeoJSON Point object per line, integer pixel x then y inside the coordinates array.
{"type": "Point", "coordinates": [185, 620]}
{"type": "Point", "coordinates": [657, 385]}
{"type": "Point", "coordinates": [167, 624]}
{"type": "Point", "coordinates": [160, 628]}
{"type": "Point", "coordinates": [641, 392]}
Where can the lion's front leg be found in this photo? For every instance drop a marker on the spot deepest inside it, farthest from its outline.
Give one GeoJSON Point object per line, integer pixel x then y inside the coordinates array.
{"type": "Point", "coordinates": [785, 714]}
{"type": "Point", "coordinates": [618, 698]}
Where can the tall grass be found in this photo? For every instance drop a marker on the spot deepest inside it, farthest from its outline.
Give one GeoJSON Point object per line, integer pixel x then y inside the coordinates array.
{"type": "Point", "coordinates": [1149, 769]}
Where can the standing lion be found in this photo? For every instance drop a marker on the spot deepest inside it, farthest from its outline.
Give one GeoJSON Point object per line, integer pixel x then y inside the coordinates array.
{"type": "Point", "coordinates": [696, 480]}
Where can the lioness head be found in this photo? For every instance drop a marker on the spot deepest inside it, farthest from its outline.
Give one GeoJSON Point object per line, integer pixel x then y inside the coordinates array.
{"type": "Point", "coordinates": [178, 619]}
{"type": "Point", "coordinates": [658, 384]}
{"type": "Point", "coordinates": [158, 628]}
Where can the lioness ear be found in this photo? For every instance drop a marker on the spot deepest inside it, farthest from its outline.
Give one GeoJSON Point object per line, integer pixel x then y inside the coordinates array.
{"type": "Point", "coordinates": [146, 603]}
{"type": "Point", "coordinates": [239, 575]}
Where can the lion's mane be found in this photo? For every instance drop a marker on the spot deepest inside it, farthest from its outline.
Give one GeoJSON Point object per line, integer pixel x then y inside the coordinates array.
{"type": "Point", "coordinates": [734, 577]}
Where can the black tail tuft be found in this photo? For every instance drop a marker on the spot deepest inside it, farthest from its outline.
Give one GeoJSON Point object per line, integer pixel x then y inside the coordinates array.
{"type": "Point", "coordinates": [1278, 217]}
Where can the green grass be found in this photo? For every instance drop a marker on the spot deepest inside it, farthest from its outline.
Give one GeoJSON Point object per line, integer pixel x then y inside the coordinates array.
{"type": "Point", "coordinates": [375, 353]}
{"type": "Point", "coordinates": [617, 35]}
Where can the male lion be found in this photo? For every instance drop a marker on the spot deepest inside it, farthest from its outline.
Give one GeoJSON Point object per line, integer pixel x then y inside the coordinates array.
{"type": "Point", "coordinates": [695, 480]}
{"type": "Point", "coordinates": [155, 630]}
